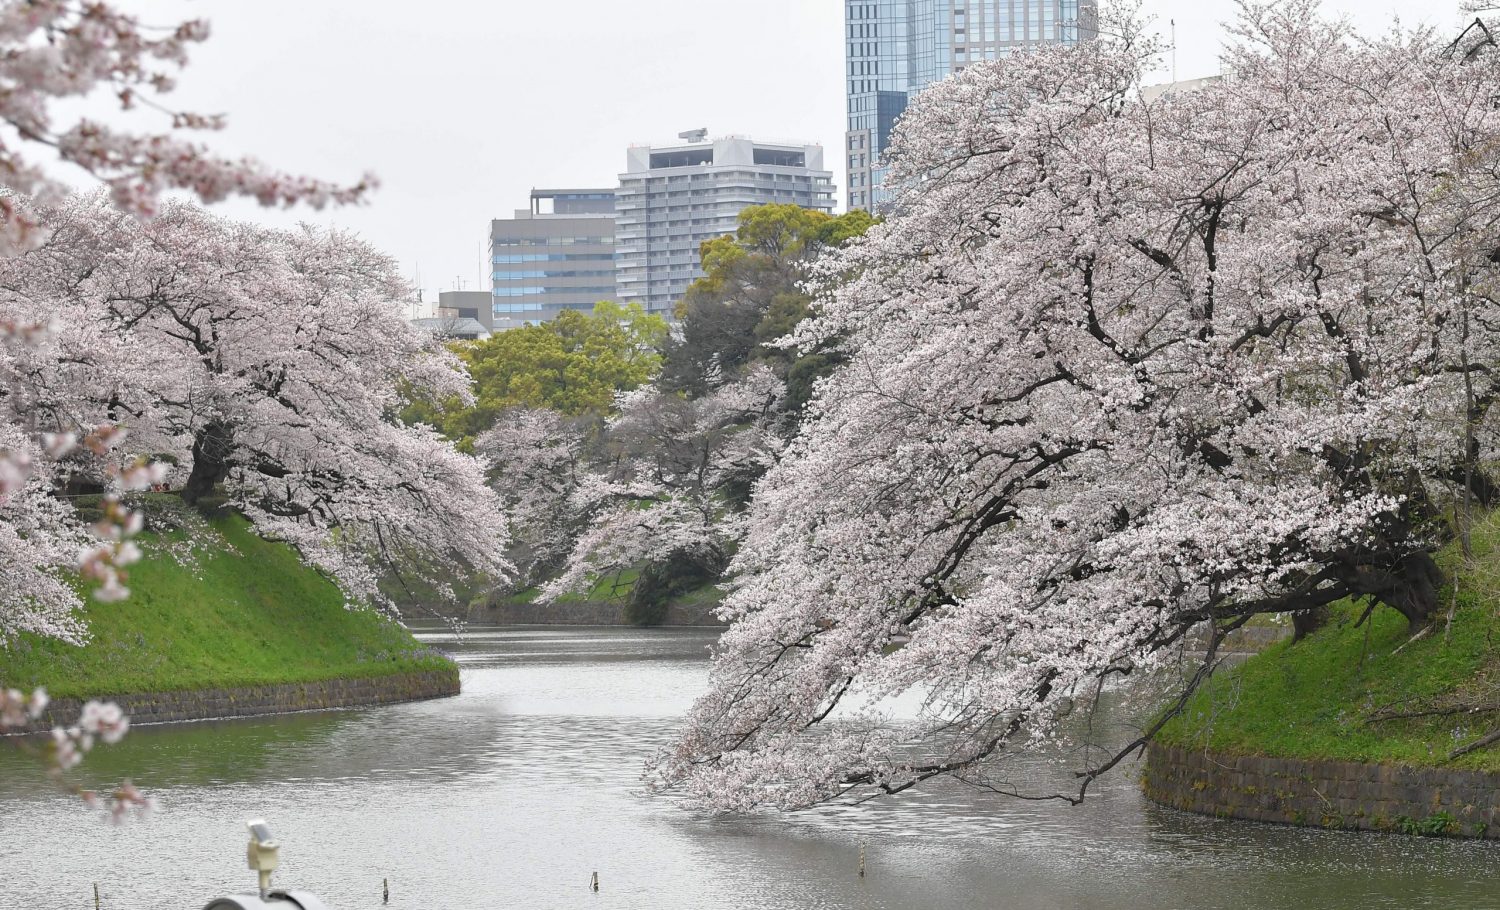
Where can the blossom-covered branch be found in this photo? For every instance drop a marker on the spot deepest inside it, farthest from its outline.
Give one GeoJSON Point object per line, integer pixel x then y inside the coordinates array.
{"type": "Point", "coordinates": [61, 49]}
{"type": "Point", "coordinates": [1116, 368]}
{"type": "Point", "coordinates": [269, 365]}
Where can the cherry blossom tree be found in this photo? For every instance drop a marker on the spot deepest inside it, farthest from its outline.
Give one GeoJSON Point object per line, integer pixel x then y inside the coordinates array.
{"type": "Point", "coordinates": [53, 50]}
{"type": "Point", "coordinates": [1117, 369]}
{"type": "Point", "coordinates": [666, 497]}
{"type": "Point", "coordinates": [61, 49]}
{"type": "Point", "coordinates": [667, 478]}
{"type": "Point", "coordinates": [56, 50]}
{"type": "Point", "coordinates": [536, 459]}
{"type": "Point", "coordinates": [269, 365]}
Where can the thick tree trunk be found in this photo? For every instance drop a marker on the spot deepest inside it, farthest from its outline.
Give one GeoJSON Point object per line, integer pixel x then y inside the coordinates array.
{"type": "Point", "coordinates": [1415, 593]}
{"type": "Point", "coordinates": [1482, 488]}
{"type": "Point", "coordinates": [211, 448]}
{"type": "Point", "coordinates": [1306, 622]}
{"type": "Point", "coordinates": [1410, 586]}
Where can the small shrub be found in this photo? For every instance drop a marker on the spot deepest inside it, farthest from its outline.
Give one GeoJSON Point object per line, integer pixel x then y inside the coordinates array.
{"type": "Point", "coordinates": [1439, 824]}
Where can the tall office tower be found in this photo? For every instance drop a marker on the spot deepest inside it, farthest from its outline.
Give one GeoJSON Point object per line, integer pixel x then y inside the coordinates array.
{"type": "Point", "coordinates": [897, 47]}
{"type": "Point", "coordinates": [558, 255]}
{"type": "Point", "coordinates": [674, 197]}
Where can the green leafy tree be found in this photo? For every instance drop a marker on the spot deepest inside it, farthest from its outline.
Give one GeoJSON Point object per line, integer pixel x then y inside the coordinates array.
{"type": "Point", "coordinates": [750, 295]}
{"type": "Point", "coordinates": [573, 364]}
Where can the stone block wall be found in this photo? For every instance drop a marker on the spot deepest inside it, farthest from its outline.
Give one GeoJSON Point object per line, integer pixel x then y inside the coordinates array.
{"type": "Point", "coordinates": [588, 613]}
{"type": "Point", "coordinates": [253, 701]}
{"type": "Point", "coordinates": [1329, 794]}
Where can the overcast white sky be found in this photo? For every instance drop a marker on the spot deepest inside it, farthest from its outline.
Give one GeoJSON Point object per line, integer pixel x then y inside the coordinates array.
{"type": "Point", "coordinates": [462, 107]}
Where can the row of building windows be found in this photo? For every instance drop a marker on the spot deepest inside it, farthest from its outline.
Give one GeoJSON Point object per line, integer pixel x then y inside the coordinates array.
{"type": "Point", "coordinates": [683, 200]}
{"type": "Point", "coordinates": [515, 258]}
{"type": "Point", "coordinates": [724, 187]}
{"type": "Point", "coordinates": [629, 182]}
{"type": "Point", "coordinates": [654, 212]}
{"type": "Point", "coordinates": [538, 291]}
{"type": "Point", "coordinates": [514, 275]}
{"type": "Point", "coordinates": [507, 308]}
{"type": "Point", "coordinates": [719, 196]}
{"type": "Point", "coordinates": [548, 241]}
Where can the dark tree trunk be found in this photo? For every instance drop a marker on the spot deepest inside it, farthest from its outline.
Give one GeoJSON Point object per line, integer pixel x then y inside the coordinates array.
{"type": "Point", "coordinates": [1410, 586]}
{"type": "Point", "coordinates": [1482, 488]}
{"type": "Point", "coordinates": [211, 448]}
{"type": "Point", "coordinates": [1306, 622]}
{"type": "Point", "coordinates": [1415, 594]}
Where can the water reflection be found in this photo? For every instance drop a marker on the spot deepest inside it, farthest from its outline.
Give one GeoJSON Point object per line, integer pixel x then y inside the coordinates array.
{"type": "Point", "coordinates": [511, 794]}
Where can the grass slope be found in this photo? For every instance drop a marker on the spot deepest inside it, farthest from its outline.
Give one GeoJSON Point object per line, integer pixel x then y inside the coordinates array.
{"type": "Point", "coordinates": [248, 612]}
{"type": "Point", "coordinates": [615, 588]}
{"type": "Point", "coordinates": [1322, 697]}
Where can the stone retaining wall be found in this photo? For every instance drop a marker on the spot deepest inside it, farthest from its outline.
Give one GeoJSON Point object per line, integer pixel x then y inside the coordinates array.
{"type": "Point", "coordinates": [588, 613]}
{"type": "Point", "coordinates": [253, 701]}
{"type": "Point", "coordinates": [1329, 794]}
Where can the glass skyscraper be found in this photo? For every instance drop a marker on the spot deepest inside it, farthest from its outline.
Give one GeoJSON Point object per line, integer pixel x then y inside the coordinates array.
{"type": "Point", "coordinates": [897, 47]}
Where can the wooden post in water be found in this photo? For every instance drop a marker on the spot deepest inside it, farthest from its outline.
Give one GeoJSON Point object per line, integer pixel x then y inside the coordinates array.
{"type": "Point", "coordinates": [594, 882]}
{"type": "Point", "coordinates": [96, 896]}
{"type": "Point", "coordinates": [861, 859]}
{"type": "Point", "coordinates": [385, 891]}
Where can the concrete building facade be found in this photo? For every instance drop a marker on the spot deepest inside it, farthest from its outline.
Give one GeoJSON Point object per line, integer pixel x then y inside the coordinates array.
{"type": "Point", "coordinates": [557, 255]}
{"type": "Point", "coordinates": [673, 197]}
{"type": "Point", "coordinates": [895, 48]}
{"type": "Point", "coordinates": [460, 316]}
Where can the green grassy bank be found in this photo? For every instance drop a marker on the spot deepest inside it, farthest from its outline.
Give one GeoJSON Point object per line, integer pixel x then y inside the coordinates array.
{"type": "Point", "coordinates": [609, 599]}
{"type": "Point", "coordinates": [213, 605]}
{"type": "Point", "coordinates": [1369, 692]}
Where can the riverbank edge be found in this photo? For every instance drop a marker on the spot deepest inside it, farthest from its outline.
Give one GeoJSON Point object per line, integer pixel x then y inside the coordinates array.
{"type": "Point", "coordinates": [258, 701]}
{"type": "Point", "coordinates": [1329, 794]}
{"type": "Point", "coordinates": [590, 613]}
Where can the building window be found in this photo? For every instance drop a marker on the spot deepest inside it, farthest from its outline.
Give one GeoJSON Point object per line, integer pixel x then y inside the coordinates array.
{"type": "Point", "coordinates": [682, 158]}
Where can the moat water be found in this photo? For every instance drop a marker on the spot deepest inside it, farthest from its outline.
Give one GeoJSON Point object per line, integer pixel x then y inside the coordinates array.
{"type": "Point", "coordinates": [511, 794]}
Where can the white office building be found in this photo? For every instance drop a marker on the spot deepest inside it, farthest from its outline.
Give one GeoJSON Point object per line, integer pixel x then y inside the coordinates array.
{"type": "Point", "coordinates": [673, 197]}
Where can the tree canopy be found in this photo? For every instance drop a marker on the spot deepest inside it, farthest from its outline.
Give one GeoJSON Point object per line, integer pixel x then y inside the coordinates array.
{"type": "Point", "coordinates": [664, 482]}
{"type": "Point", "coordinates": [1116, 368]}
{"type": "Point", "coordinates": [263, 365]}
{"type": "Point", "coordinates": [751, 294]}
{"type": "Point", "coordinates": [59, 51]}
{"type": "Point", "coordinates": [574, 364]}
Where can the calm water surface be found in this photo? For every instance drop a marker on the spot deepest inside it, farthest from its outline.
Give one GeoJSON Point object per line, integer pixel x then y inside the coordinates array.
{"type": "Point", "coordinates": [511, 794]}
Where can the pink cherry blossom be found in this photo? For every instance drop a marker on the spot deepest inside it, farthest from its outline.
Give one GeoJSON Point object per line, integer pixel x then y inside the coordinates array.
{"type": "Point", "coordinates": [1117, 369]}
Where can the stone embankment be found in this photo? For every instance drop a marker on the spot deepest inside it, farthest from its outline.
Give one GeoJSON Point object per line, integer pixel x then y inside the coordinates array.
{"type": "Point", "coordinates": [254, 701]}
{"type": "Point", "coordinates": [588, 613]}
{"type": "Point", "coordinates": [1329, 794]}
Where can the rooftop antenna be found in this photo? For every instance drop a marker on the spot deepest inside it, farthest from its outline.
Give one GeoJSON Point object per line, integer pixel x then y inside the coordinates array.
{"type": "Point", "coordinates": [697, 135]}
